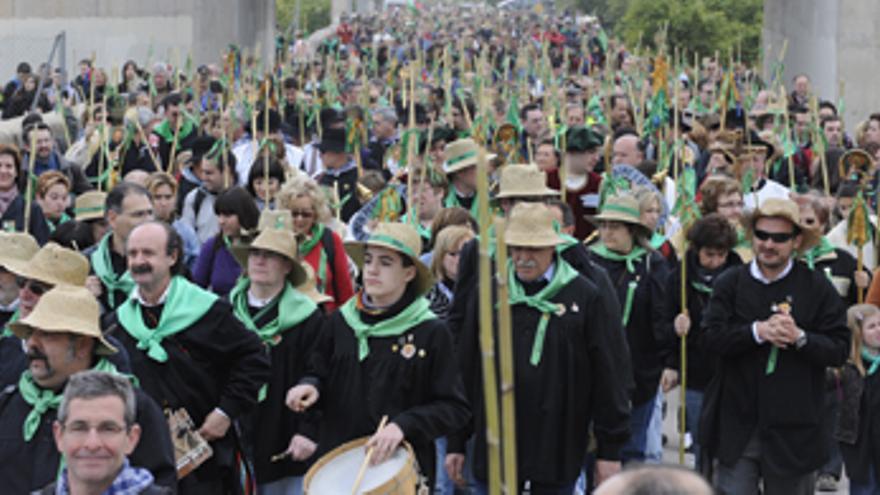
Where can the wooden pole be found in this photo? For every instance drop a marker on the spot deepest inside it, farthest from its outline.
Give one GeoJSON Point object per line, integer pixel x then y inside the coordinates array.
{"type": "Point", "coordinates": [268, 203]}
{"type": "Point", "coordinates": [29, 187]}
{"type": "Point", "coordinates": [506, 365]}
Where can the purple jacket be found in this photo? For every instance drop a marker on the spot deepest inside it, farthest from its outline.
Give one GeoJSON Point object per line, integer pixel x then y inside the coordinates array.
{"type": "Point", "coordinates": [215, 268]}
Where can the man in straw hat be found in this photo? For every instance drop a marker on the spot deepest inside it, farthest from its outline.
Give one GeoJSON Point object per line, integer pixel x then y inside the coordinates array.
{"type": "Point", "coordinates": [390, 355]}
{"type": "Point", "coordinates": [127, 205]}
{"type": "Point", "coordinates": [776, 325]}
{"type": "Point", "coordinates": [188, 351]}
{"type": "Point", "coordinates": [51, 266]}
{"type": "Point", "coordinates": [461, 170]}
{"type": "Point", "coordinates": [288, 322]}
{"type": "Point", "coordinates": [56, 349]}
{"type": "Point", "coordinates": [566, 366]}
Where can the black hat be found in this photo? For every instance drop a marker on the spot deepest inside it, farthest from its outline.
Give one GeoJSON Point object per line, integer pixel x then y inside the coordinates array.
{"type": "Point", "coordinates": [580, 138]}
{"type": "Point", "coordinates": [201, 146]}
{"type": "Point", "coordinates": [330, 116]}
{"type": "Point", "coordinates": [332, 139]}
{"type": "Point", "coordinates": [274, 121]}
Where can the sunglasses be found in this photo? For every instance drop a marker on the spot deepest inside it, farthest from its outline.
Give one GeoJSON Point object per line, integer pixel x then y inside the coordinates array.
{"type": "Point", "coordinates": [301, 213]}
{"type": "Point", "coordinates": [36, 288]}
{"type": "Point", "coordinates": [776, 237]}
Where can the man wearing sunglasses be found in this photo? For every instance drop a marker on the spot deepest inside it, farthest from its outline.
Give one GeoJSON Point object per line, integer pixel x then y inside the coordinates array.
{"type": "Point", "coordinates": [775, 325]}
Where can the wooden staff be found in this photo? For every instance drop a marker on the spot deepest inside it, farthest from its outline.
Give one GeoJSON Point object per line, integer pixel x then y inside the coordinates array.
{"type": "Point", "coordinates": [787, 131]}
{"type": "Point", "coordinates": [360, 475]}
{"type": "Point", "coordinates": [146, 141]}
{"type": "Point", "coordinates": [266, 140]}
{"type": "Point", "coordinates": [505, 350]}
{"type": "Point", "coordinates": [820, 140]}
{"type": "Point", "coordinates": [487, 340]}
{"type": "Point", "coordinates": [29, 188]}
{"type": "Point", "coordinates": [684, 310]}
{"type": "Point", "coordinates": [173, 153]}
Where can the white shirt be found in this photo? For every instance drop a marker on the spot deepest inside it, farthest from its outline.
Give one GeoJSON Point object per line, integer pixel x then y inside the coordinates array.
{"type": "Point", "coordinates": [244, 159]}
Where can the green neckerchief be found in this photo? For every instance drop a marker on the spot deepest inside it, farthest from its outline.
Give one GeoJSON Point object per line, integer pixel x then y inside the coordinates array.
{"type": "Point", "coordinates": [701, 287]}
{"type": "Point", "coordinates": [12, 319]}
{"type": "Point", "coordinates": [540, 301]}
{"type": "Point", "coordinates": [54, 225]}
{"type": "Point", "coordinates": [569, 240]}
{"type": "Point", "coordinates": [104, 270]}
{"type": "Point", "coordinates": [874, 360]}
{"type": "Point", "coordinates": [185, 304]}
{"type": "Point", "coordinates": [416, 313]}
{"type": "Point", "coordinates": [41, 400]}
{"type": "Point", "coordinates": [741, 239]}
{"type": "Point", "coordinates": [657, 240]}
{"type": "Point", "coordinates": [164, 129]}
{"type": "Point", "coordinates": [817, 252]}
{"type": "Point", "coordinates": [451, 200]}
{"type": "Point", "coordinates": [423, 231]}
{"type": "Point", "coordinates": [630, 259]}
{"type": "Point", "coordinates": [306, 247]}
{"type": "Point", "coordinates": [293, 308]}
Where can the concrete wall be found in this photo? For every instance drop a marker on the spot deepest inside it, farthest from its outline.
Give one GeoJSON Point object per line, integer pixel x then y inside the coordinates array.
{"type": "Point", "coordinates": [116, 30]}
{"type": "Point", "coordinates": [830, 41]}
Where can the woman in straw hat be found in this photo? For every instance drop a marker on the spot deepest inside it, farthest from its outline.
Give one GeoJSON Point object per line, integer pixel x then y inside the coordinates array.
{"type": "Point", "coordinates": [640, 274]}
{"type": "Point", "coordinates": [266, 302]}
{"type": "Point", "coordinates": [385, 353]}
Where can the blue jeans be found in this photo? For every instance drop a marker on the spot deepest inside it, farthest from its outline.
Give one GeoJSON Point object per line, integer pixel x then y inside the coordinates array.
{"type": "Point", "coordinates": [693, 400]}
{"type": "Point", "coordinates": [444, 485]}
{"type": "Point", "coordinates": [639, 422]}
{"type": "Point", "coordinates": [292, 485]}
{"type": "Point", "coordinates": [654, 435]}
{"type": "Point", "coordinates": [869, 488]}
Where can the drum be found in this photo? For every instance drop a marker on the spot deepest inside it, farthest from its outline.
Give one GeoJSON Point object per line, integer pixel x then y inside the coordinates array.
{"type": "Point", "coordinates": [335, 472]}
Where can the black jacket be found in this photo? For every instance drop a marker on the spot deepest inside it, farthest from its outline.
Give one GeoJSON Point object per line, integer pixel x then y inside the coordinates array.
{"type": "Point", "coordinates": [420, 392]}
{"type": "Point", "coordinates": [29, 466]}
{"type": "Point", "coordinates": [347, 186]}
{"type": "Point", "coordinates": [13, 219]}
{"type": "Point", "coordinates": [858, 427]}
{"type": "Point", "coordinates": [216, 362]}
{"type": "Point", "coordinates": [784, 408]}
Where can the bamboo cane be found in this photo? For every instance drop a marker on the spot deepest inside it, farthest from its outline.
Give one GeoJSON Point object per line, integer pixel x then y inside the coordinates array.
{"type": "Point", "coordinates": [786, 129]}
{"type": "Point", "coordinates": [506, 365]}
{"type": "Point", "coordinates": [29, 188]}
{"type": "Point", "coordinates": [823, 160]}
{"type": "Point", "coordinates": [487, 341]}
{"type": "Point", "coordinates": [267, 192]}
{"type": "Point", "coordinates": [173, 153]}
{"type": "Point", "coordinates": [683, 339]}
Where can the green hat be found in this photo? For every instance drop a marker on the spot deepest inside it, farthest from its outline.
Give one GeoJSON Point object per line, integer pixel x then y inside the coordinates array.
{"type": "Point", "coordinates": [580, 138]}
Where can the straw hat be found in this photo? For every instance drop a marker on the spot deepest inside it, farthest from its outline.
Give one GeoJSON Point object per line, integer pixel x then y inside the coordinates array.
{"type": "Point", "coordinates": [89, 206]}
{"type": "Point", "coordinates": [401, 238]}
{"type": "Point", "coordinates": [282, 242]}
{"type": "Point", "coordinates": [522, 181]}
{"type": "Point", "coordinates": [623, 208]}
{"type": "Point", "coordinates": [531, 225]}
{"type": "Point", "coordinates": [275, 219]}
{"type": "Point", "coordinates": [16, 247]}
{"type": "Point", "coordinates": [54, 265]}
{"type": "Point", "coordinates": [788, 210]}
{"type": "Point", "coordinates": [80, 316]}
{"type": "Point", "coordinates": [310, 287]}
{"type": "Point", "coordinates": [461, 154]}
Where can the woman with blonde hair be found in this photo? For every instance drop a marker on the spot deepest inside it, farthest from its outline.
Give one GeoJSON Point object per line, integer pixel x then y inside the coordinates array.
{"type": "Point", "coordinates": [319, 245]}
{"type": "Point", "coordinates": [444, 266]}
{"type": "Point", "coordinates": [53, 196]}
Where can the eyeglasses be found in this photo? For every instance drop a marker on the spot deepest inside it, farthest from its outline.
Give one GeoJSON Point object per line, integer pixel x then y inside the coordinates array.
{"type": "Point", "coordinates": [36, 288]}
{"type": "Point", "coordinates": [301, 213]}
{"type": "Point", "coordinates": [106, 430]}
{"type": "Point", "coordinates": [731, 204]}
{"type": "Point", "coordinates": [776, 237]}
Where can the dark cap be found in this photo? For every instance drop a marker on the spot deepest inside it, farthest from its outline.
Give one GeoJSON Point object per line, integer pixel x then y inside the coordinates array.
{"type": "Point", "coordinates": [580, 138]}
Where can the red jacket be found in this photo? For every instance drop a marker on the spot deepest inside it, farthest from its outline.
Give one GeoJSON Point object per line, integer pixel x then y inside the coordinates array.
{"type": "Point", "coordinates": [338, 282]}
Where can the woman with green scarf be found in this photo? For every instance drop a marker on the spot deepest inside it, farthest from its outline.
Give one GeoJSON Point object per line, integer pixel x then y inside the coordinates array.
{"type": "Point", "coordinates": [267, 302]}
{"type": "Point", "coordinates": [53, 196]}
{"type": "Point", "coordinates": [384, 353]}
{"type": "Point", "coordinates": [640, 276]}
{"type": "Point", "coordinates": [319, 245]}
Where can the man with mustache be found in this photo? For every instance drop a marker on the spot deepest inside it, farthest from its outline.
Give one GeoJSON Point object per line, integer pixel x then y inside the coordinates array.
{"type": "Point", "coordinates": [189, 352]}
{"type": "Point", "coordinates": [56, 349]}
{"type": "Point", "coordinates": [565, 367]}
{"type": "Point", "coordinates": [776, 326]}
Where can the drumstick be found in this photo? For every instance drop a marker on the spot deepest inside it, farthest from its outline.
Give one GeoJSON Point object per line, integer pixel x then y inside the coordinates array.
{"type": "Point", "coordinates": [363, 469]}
{"type": "Point", "coordinates": [279, 457]}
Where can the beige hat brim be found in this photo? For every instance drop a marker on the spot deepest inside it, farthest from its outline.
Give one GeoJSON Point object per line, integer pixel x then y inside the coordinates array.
{"type": "Point", "coordinates": [529, 194]}
{"type": "Point", "coordinates": [240, 252]}
{"type": "Point", "coordinates": [24, 328]}
{"type": "Point", "coordinates": [25, 270]}
{"type": "Point", "coordinates": [810, 237]}
{"type": "Point", "coordinates": [611, 216]}
{"type": "Point", "coordinates": [526, 240]}
{"type": "Point", "coordinates": [467, 163]}
{"type": "Point", "coordinates": [424, 279]}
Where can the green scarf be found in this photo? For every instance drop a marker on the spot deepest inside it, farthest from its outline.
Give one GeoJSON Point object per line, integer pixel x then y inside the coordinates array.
{"type": "Point", "coordinates": [54, 225]}
{"type": "Point", "coordinates": [293, 308]}
{"type": "Point", "coordinates": [423, 231]}
{"type": "Point", "coordinates": [873, 359]}
{"type": "Point", "coordinates": [630, 259]}
{"type": "Point", "coordinates": [824, 248]}
{"type": "Point", "coordinates": [306, 247]}
{"type": "Point", "coordinates": [41, 400]}
{"type": "Point", "coordinates": [417, 312]}
{"type": "Point", "coordinates": [104, 270]}
{"type": "Point", "coordinates": [12, 319]}
{"type": "Point", "coordinates": [540, 301]}
{"type": "Point", "coordinates": [657, 240]}
{"type": "Point", "coordinates": [451, 200]}
{"type": "Point", "coordinates": [701, 287]}
{"type": "Point", "coordinates": [164, 129]}
{"type": "Point", "coordinates": [185, 304]}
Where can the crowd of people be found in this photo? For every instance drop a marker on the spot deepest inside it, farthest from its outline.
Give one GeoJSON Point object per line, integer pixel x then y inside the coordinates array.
{"type": "Point", "coordinates": [211, 279]}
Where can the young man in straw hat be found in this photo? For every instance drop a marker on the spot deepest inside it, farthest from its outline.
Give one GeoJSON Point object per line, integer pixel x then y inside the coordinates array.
{"type": "Point", "coordinates": [776, 325]}
{"type": "Point", "coordinates": [565, 364]}
{"type": "Point", "coordinates": [460, 167]}
{"type": "Point", "coordinates": [56, 349]}
{"type": "Point", "coordinates": [188, 351]}
{"type": "Point", "coordinates": [288, 322]}
{"type": "Point", "coordinates": [384, 353]}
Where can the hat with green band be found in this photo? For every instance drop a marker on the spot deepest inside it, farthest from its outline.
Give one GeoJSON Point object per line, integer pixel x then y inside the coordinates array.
{"type": "Point", "coordinates": [531, 225]}
{"type": "Point", "coordinates": [461, 154]}
{"type": "Point", "coordinates": [399, 237]}
{"type": "Point", "coordinates": [89, 206]}
{"type": "Point", "coordinates": [278, 241]}
{"type": "Point", "coordinates": [623, 208]}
